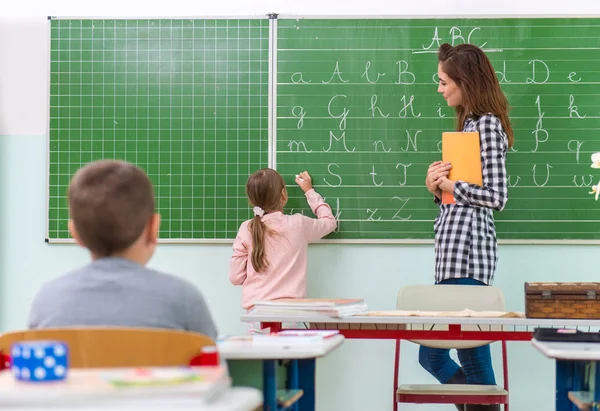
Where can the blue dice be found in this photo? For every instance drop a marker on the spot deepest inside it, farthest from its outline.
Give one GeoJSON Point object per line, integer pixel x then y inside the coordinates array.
{"type": "Point", "coordinates": [39, 361]}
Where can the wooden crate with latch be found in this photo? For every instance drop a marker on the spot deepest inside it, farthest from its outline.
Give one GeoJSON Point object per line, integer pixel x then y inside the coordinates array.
{"type": "Point", "coordinates": [562, 300]}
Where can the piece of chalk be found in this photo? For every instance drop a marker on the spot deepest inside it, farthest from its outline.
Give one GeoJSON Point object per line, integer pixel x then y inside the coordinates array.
{"type": "Point", "coordinates": [300, 179]}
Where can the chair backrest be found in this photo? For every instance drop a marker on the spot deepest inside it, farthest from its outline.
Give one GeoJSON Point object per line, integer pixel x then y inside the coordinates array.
{"type": "Point", "coordinates": [106, 347]}
{"type": "Point", "coordinates": [450, 298]}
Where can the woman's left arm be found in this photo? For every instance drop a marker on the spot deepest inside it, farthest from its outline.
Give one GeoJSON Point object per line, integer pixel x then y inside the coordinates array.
{"type": "Point", "coordinates": [493, 193]}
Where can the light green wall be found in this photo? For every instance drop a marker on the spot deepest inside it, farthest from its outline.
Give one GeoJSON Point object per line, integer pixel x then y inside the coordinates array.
{"type": "Point", "coordinates": [374, 272]}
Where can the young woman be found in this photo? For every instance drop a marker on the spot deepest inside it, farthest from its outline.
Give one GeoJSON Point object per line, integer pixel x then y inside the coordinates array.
{"type": "Point", "coordinates": [465, 234]}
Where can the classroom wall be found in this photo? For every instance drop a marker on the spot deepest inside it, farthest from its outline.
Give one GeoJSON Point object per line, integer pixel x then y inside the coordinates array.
{"type": "Point", "coordinates": [374, 272]}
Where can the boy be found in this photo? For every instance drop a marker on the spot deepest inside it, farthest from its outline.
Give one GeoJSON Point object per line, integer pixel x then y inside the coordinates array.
{"type": "Point", "coordinates": [112, 215]}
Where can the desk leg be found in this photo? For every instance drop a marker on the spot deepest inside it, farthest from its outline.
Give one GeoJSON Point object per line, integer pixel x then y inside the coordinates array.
{"type": "Point", "coordinates": [270, 385]}
{"type": "Point", "coordinates": [307, 383]}
{"type": "Point", "coordinates": [570, 376]}
{"type": "Point", "coordinates": [292, 380]}
{"type": "Point", "coordinates": [596, 382]}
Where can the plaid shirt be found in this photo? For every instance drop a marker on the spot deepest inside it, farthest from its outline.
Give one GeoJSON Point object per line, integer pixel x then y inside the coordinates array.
{"type": "Point", "coordinates": [465, 234]}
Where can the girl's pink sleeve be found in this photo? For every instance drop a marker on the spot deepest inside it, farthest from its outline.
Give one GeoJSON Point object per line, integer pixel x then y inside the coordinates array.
{"type": "Point", "coordinates": [324, 224]}
{"type": "Point", "coordinates": [239, 259]}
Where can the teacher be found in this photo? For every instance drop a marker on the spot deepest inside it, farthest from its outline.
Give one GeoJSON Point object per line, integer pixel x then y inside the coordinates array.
{"type": "Point", "coordinates": [465, 235]}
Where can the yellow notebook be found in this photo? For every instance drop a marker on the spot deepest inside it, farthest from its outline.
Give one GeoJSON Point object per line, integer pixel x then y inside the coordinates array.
{"type": "Point", "coordinates": [463, 151]}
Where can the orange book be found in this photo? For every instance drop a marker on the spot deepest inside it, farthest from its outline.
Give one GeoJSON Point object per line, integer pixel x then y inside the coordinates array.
{"type": "Point", "coordinates": [463, 151]}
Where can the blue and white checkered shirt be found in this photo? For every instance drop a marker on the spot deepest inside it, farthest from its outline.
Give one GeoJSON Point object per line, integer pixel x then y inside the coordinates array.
{"type": "Point", "coordinates": [465, 234]}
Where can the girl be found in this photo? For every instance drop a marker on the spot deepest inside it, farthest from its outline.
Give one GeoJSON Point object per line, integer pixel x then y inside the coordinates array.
{"type": "Point", "coordinates": [465, 235]}
{"type": "Point", "coordinates": [270, 250]}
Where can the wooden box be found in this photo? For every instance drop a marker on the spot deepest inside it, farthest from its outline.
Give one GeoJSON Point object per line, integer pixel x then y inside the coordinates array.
{"type": "Point", "coordinates": [562, 300]}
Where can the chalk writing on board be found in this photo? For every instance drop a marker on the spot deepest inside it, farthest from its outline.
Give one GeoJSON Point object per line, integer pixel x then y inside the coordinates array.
{"type": "Point", "coordinates": [341, 138]}
{"type": "Point", "coordinates": [297, 78]}
{"type": "Point", "coordinates": [442, 115]}
{"type": "Point", "coordinates": [374, 107]}
{"type": "Point", "coordinates": [366, 74]}
{"type": "Point", "coordinates": [502, 74]}
{"type": "Point", "coordinates": [541, 66]}
{"type": "Point", "coordinates": [411, 140]}
{"type": "Point", "coordinates": [455, 34]}
{"type": "Point", "coordinates": [336, 72]}
{"type": "Point", "coordinates": [510, 183]}
{"type": "Point", "coordinates": [403, 72]}
{"type": "Point", "coordinates": [535, 181]}
{"type": "Point", "coordinates": [576, 148]}
{"type": "Point", "coordinates": [539, 128]}
{"type": "Point", "coordinates": [571, 75]}
{"type": "Point", "coordinates": [371, 214]}
{"type": "Point", "coordinates": [584, 183]}
{"type": "Point", "coordinates": [379, 143]}
{"type": "Point", "coordinates": [404, 167]}
{"type": "Point", "coordinates": [374, 174]}
{"type": "Point", "coordinates": [297, 144]}
{"type": "Point", "coordinates": [434, 40]}
{"type": "Point", "coordinates": [573, 109]}
{"type": "Point", "coordinates": [404, 112]}
{"type": "Point", "coordinates": [337, 215]}
{"type": "Point", "coordinates": [403, 202]}
{"type": "Point", "coordinates": [333, 174]}
{"type": "Point", "coordinates": [298, 111]}
{"type": "Point", "coordinates": [341, 116]}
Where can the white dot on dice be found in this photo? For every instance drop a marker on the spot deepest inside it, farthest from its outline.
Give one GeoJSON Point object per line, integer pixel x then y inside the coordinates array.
{"type": "Point", "coordinates": [16, 352]}
{"type": "Point", "coordinates": [25, 374]}
{"type": "Point", "coordinates": [16, 371]}
{"type": "Point", "coordinates": [59, 350]}
{"type": "Point", "coordinates": [39, 353]}
{"type": "Point", "coordinates": [49, 362]}
{"type": "Point", "coordinates": [59, 371]}
{"type": "Point", "coordinates": [26, 354]}
{"type": "Point", "coordinates": [40, 373]}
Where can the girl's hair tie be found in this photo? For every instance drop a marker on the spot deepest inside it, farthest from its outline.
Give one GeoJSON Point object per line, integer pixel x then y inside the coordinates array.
{"type": "Point", "coordinates": [259, 211]}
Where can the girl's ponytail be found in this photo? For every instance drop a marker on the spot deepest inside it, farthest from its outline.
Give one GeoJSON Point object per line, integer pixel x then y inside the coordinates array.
{"type": "Point", "coordinates": [264, 189]}
{"type": "Point", "coordinates": [259, 232]}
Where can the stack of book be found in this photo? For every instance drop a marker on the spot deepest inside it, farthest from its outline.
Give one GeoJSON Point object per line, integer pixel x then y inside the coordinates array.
{"type": "Point", "coordinates": [302, 307]}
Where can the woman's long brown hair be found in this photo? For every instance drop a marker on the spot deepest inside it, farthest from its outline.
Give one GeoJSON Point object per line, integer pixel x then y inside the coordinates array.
{"type": "Point", "coordinates": [474, 74]}
{"type": "Point", "coordinates": [264, 189]}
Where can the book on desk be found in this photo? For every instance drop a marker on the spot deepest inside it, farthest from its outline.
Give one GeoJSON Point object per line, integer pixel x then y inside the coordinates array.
{"type": "Point", "coordinates": [299, 307]}
{"type": "Point", "coordinates": [293, 337]}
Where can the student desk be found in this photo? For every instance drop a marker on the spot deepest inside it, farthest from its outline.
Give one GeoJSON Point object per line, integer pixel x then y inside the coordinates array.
{"type": "Point", "coordinates": [577, 374]}
{"type": "Point", "coordinates": [301, 370]}
{"type": "Point", "coordinates": [425, 328]}
{"type": "Point", "coordinates": [23, 396]}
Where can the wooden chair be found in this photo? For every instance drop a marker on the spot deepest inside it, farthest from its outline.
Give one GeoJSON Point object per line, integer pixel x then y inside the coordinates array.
{"type": "Point", "coordinates": [450, 298]}
{"type": "Point", "coordinates": [106, 347]}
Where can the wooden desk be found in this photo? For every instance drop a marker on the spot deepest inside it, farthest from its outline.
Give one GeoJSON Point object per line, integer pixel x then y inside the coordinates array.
{"type": "Point", "coordinates": [301, 370]}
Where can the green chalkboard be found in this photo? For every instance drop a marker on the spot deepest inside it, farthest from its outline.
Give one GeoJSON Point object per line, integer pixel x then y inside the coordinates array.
{"type": "Point", "coordinates": [186, 100]}
{"type": "Point", "coordinates": [357, 105]}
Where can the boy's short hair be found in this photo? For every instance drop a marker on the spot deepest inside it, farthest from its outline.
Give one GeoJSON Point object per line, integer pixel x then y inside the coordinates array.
{"type": "Point", "coordinates": [110, 203]}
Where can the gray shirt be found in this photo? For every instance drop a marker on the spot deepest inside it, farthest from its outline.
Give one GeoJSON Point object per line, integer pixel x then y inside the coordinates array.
{"type": "Point", "coordinates": [116, 292]}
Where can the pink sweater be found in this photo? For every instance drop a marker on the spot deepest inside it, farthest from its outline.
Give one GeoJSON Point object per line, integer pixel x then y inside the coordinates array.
{"type": "Point", "coordinates": [286, 253]}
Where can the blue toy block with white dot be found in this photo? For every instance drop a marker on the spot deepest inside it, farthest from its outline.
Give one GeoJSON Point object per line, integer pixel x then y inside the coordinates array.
{"type": "Point", "coordinates": [39, 361]}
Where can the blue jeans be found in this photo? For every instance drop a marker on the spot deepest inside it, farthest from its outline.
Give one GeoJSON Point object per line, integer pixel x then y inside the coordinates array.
{"type": "Point", "coordinates": [476, 362]}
